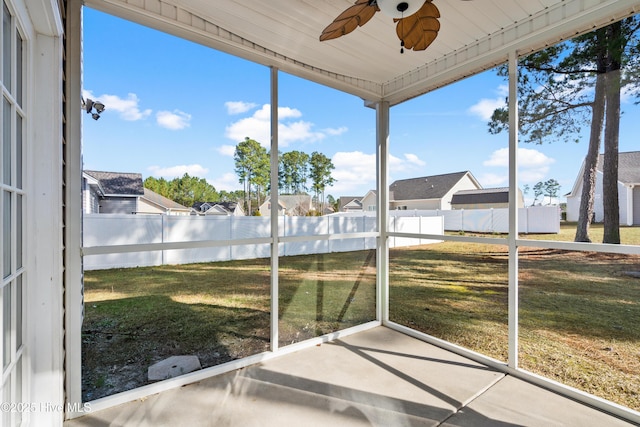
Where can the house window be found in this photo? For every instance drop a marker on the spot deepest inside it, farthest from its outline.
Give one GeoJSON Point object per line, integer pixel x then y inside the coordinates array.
{"type": "Point", "coordinates": [12, 215]}
{"type": "Point", "coordinates": [371, 208]}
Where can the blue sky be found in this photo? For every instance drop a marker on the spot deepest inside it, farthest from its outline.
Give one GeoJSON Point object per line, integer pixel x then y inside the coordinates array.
{"type": "Point", "coordinates": [174, 107]}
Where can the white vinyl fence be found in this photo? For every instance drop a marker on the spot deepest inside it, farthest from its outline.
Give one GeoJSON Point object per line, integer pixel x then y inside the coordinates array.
{"type": "Point", "coordinates": [113, 229]}
{"type": "Point", "coordinates": [534, 219]}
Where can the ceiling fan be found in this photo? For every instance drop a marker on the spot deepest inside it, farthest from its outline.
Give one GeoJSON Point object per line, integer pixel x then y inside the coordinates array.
{"type": "Point", "coordinates": [416, 21]}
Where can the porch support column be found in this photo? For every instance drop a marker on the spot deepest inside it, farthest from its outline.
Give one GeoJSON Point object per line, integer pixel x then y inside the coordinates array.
{"type": "Point", "coordinates": [274, 209]}
{"type": "Point", "coordinates": [73, 209]}
{"type": "Point", "coordinates": [513, 210]}
{"type": "Point", "coordinates": [382, 201]}
{"type": "Point", "coordinates": [43, 357]}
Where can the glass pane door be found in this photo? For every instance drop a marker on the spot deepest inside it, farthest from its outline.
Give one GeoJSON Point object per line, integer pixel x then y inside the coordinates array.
{"type": "Point", "coordinates": [12, 198]}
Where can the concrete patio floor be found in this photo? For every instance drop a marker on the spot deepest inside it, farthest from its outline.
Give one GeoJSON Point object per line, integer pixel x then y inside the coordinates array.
{"type": "Point", "coordinates": [375, 378]}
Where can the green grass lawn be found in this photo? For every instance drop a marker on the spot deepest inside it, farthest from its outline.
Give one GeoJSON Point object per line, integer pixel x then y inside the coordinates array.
{"type": "Point", "coordinates": [217, 311]}
{"type": "Point", "coordinates": [628, 235]}
{"type": "Point", "coordinates": [578, 311]}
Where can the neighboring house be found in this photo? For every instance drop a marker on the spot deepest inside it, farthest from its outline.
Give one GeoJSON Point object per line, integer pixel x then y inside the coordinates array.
{"type": "Point", "coordinates": [123, 193]}
{"type": "Point", "coordinates": [289, 205]}
{"type": "Point", "coordinates": [350, 204]}
{"type": "Point", "coordinates": [430, 192]}
{"type": "Point", "coordinates": [328, 210]}
{"type": "Point", "coordinates": [484, 198]}
{"type": "Point", "coordinates": [111, 192]}
{"type": "Point", "coordinates": [369, 202]}
{"type": "Point", "coordinates": [154, 203]}
{"type": "Point", "coordinates": [628, 190]}
{"type": "Point", "coordinates": [218, 208]}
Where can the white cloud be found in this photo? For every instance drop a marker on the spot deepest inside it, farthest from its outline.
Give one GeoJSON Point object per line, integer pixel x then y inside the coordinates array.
{"type": "Point", "coordinates": [239, 107]}
{"type": "Point", "coordinates": [533, 165]}
{"type": "Point", "coordinates": [531, 176]}
{"type": "Point", "coordinates": [336, 131]}
{"type": "Point", "coordinates": [227, 150]}
{"type": "Point", "coordinates": [127, 108]}
{"type": "Point", "coordinates": [493, 180]}
{"type": "Point", "coordinates": [258, 127]}
{"type": "Point", "coordinates": [498, 158]}
{"type": "Point", "coordinates": [173, 120]}
{"type": "Point", "coordinates": [178, 171]}
{"type": "Point", "coordinates": [485, 107]}
{"type": "Point", "coordinates": [353, 171]}
{"type": "Point", "coordinates": [264, 113]}
{"type": "Point", "coordinates": [413, 159]}
{"type": "Point", "coordinates": [297, 131]}
{"type": "Point", "coordinates": [628, 94]}
{"type": "Point", "coordinates": [226, 182]}
{"type": "Point", "coordinates": [527, 158]}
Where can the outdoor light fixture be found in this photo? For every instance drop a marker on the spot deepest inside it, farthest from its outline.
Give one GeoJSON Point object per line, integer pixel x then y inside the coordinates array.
{"type": "Point", "coordinates": [89, 105]}
{"type": "Point", "coordinates": [399, 9]}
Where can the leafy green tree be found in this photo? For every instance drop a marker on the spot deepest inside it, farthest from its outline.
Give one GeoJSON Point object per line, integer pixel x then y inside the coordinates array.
{"type": "Point", "coordinates": [231, 196]}
{"type": "Point", "coordinates": [251, 159]}
{"type": "Point", "coordinates": [158, 185]}
{"type": "Point", "coordinates": [332, 202]}
{"type": "Point", "coordinates": [320, 167]}
{"type": "Point", "coordinates": [294, 172]}
{"type": "Point", "coordinates": [575, 83]}
{"type": "Point", "coordinates": [538, 190]}
{"type": "Point", "coordinates": [261, 178]}
{"type": "Point", "coordinates": [551, 189]}
{"type": "Point", "coordinates": [185, 190]}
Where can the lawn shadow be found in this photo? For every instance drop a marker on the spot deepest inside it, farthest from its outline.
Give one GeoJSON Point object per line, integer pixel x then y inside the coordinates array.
{"type": "Point", "coordinates": [562, 291]}
{"type": "Point", "coordinates": [323, 293]}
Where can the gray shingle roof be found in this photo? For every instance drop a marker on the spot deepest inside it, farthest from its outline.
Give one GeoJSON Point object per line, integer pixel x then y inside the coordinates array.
{"type": "Point", "coordinates": [485, 195]}
{"type": "Point", "coordinates": [344, 200]}
{"type": "Point", "coordinates": [628, 167]}
{"type": "Point", "coordinates": [227, 206]}
{"type": "Point", "coordinates": [162, 201]}
{"type": "Point", "coordinates": [426, 187]}
{"type": "Point", "coordinates": [230, 206]}
{"type": "Point", "coordinates": [119, 183]}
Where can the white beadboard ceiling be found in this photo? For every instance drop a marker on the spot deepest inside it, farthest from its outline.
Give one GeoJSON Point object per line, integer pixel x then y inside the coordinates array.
{"type": "Point", "coordinates": [474, 35]}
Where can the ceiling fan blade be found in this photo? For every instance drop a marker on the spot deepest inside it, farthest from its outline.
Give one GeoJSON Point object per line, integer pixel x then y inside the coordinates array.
{"type": "Point", "coordinates": [419, 30]}
{"type": "Point", "coordinates": [353, 17]}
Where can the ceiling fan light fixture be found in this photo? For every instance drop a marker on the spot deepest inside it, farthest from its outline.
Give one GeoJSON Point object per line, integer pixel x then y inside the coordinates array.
{"type": "Point", "coordinates": [399, 9]}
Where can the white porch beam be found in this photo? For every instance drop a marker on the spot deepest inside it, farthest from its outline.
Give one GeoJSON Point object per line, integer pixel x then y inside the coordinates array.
{"type": "Point", "coordinates": [556, 23]}
{"type": "Point", "coordinates": [382, 212]}
{"type": "Point", "coordinates": [274, 210]}
{"type": "Point", "coordinates": [513, 211]}
{"type": "Point", "coordinates": [73, 206]}
{"type": "Point", "coordinates": [44, 292]}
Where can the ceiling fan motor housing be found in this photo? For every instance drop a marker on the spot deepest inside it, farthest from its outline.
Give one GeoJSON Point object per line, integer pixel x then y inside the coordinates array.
{"type": "Point", "coordinates": [399, 9]}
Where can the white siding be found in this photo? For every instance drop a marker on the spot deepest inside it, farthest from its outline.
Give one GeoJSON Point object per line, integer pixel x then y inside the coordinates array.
{"type": "Point", "coordinates": [625, 207]}
{"type": "Point", "coordinates": [636, 205]}
{"type": "Point", "coordinates": [573, 207]}
{"type": "Point", "coordinates": [149, 208]}
{"type": "Point", "coordinates": [410, 205]}
{"type": "Point", "coordinates": [369, 202]}
{"type": "Point", "coordinates": [626, 202]}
